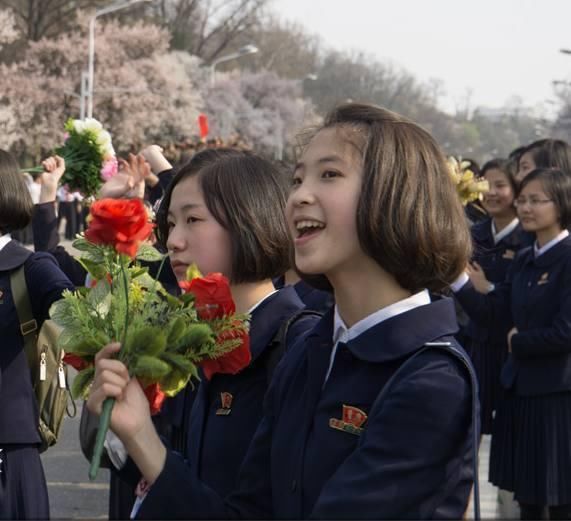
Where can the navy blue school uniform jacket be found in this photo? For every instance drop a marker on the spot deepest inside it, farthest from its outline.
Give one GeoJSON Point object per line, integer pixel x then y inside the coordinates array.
{"type": "Point", "coordinates": [23, 492]}
{"type": "Point", "coordinates": [321, 452]}
{"type": "Point", "coordinates": [487, 345]}
{"type": "Point", "coordinates": [228, 408]}
{"type": "Point", "coordinates": [536, 299]}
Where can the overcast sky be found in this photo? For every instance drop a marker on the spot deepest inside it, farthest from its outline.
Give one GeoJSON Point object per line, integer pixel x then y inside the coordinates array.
{"type": "Point", "coordinates": [497, 48]}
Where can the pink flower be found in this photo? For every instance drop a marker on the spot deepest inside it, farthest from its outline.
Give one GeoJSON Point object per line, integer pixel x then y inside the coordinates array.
{"type": "Point", "coordinates": [65, 136]}
{"type": "Point", "coordinates": [109, 169]}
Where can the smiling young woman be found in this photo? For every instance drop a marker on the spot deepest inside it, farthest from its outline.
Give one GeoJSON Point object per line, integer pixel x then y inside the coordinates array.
{"type": "Point", "coordinates": [496, 242]}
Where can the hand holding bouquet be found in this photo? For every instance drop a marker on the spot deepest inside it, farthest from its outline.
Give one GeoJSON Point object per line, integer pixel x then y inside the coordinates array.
{"type": "Point", "coordinates": [88, 154]}
{"type": "Point", "coordinates": [164, 339]}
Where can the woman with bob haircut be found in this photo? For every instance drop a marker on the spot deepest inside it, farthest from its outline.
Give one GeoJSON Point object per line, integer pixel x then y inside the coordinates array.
{"type": "Point", "coordinates": [225, 212]}
{"type": "Point", "coordinates": [530, 453]}
{"type": "Point", "coordinates": [374, 216]}
{"type": "Point", "coordinates": [23, 490]}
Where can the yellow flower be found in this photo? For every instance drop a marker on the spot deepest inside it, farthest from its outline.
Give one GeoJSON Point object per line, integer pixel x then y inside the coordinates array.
{"type": "Point", "coordinates": [469, 187]}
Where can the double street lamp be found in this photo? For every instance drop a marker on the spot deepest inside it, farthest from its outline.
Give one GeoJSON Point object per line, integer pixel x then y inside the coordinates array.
{"type": "Point", "coordinates": [243, 51]}
{"type": "Point", "coordinates": [91, 57]}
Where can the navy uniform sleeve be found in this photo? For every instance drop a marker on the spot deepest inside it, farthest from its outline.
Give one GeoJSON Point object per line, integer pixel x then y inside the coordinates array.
{"type": "Point", "coordinates": [46, 238]}
{"type": "Point", "coordinates": [408, 455]}
{"type": "Point", "coordinates": [492, 310]}
{"type": "Point", "coordinates": [44, 225]}
{"type": "Point", "coordinates": [552, 340]}
{"type": "Point", "coordinates": [45, 282]}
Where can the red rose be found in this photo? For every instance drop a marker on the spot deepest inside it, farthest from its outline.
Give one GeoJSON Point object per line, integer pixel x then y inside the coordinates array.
{"type": "Point", "coordinates": [232, 362]}
{"type": "Point", "coordinates": [155, 397]}
{"type": "Point", "coordinates": [75, 361]}
{"type": "Point", "coordinates": [213, 298]}
{"type": "Point", "coordinates": [121, 223]}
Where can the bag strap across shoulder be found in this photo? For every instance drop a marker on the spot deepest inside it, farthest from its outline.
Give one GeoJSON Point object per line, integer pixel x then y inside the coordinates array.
{"type": "Point", "coordinates": [454, 352]}
{"type": "Point", "coordinates": [279, 341]}
{"type": "Point", "coordinates": [28, 324]}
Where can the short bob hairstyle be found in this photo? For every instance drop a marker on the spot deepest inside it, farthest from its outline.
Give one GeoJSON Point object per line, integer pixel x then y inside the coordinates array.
{"type": "Point", "coordinates": [247, 195]}
{"type": "Point", "coordinates": [409, 217]}
{"type": "Point", "coordinates": [503, 165]}
{"type": "Point", "coordinates": [16, 204]}
{"type": "Point", "coordinates": [550, 153]}
{"type": "Point", "coordinates": [557, 186]}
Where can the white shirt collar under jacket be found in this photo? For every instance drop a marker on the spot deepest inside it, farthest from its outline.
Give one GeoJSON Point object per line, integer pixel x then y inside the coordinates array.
{"type": "Point", "coordinates": [341, 333]}
{"type": "Point", "coordinates": [257, 304]}
{"type": "Point", "coordinates": [505, 232]}
{"type": "Point", "coordinates": [540, 251]}
{"type": "Point", "coordinates": [4, 239]}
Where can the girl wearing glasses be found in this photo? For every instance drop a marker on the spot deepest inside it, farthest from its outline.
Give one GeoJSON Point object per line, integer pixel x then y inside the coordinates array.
{"type": "Point", "coordinates": [531, 453]}
{"type": "Point", "coordinates": [496, 241]}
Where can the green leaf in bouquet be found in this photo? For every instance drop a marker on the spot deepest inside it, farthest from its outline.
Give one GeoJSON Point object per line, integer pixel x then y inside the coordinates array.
{"type": "Point", "coordinates": [138, 271]}
{"type": "Point", "coordinates": [83, 346]}
{"type": "Point", "coordinates": [82, 382]}
{"type": "Point", "coordinates": [62, 311]}
{"type": "Point", "coordinates": [178, 362]}
{"type": "Point", "coordinates": [68, 336]}
{"type": "Point", "coordinates": [82, 244]}
{"type": "Point", "coordinates": [150, 368]}
{"type": "Point", "coordinates": [95, 269]}
{"type": "Point", "coordinates": [174, 382]}
{"type": "Point", "coordinates": [196, 338]}
{"type": "Point", "coordinates": [187, 299]}
{"type": "Point", "coordinates": [99, 298]}
{"type": "Point", "coordinates": [149, 253]}
{"type": "Point", "coordinates": [147, 340]}
{"type": "Point", "coordinates": [177, 328]}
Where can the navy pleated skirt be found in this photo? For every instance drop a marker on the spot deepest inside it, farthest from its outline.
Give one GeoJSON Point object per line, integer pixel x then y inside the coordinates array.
{"type": "Point", "coordinates": [23, 489]}
{"type": "Point", "coordinates": [531, 448]}
{"type": "Point", "coordinates": [488, 359]}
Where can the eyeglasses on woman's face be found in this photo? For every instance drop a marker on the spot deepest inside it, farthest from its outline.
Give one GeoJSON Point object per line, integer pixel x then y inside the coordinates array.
{"type": "Point", "coordinates": [533, 202]}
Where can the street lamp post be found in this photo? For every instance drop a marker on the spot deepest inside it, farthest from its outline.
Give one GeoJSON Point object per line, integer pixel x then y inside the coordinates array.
{"type": "Point", "coordinates": [243, 51]}
{"type": "Point", "coordinates": [91, 57]}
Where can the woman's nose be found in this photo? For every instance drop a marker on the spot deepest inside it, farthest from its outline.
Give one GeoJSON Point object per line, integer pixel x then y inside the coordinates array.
{"type": "Point", "coordinates": [174, 241]}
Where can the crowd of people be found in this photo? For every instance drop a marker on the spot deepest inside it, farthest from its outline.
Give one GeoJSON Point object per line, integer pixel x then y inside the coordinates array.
{"type": "Point", "coordinates": [364, 398]}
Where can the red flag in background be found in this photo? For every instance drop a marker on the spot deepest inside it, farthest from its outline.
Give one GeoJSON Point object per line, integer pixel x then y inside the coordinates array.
{"type": "Point", "coordinates": [203, 125]}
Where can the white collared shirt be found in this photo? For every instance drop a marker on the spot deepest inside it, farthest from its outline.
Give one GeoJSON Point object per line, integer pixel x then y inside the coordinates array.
{"type": "Point", "coordinates": [341, 333]}
{"type": "Point", "coordinates": [498, 236]}
{"type": "Point", "coordinates": [540, 251]}
{"type": "Point", "coordinates": [4, 239]}
{"type": "Point", "coordinates": [257, 304]}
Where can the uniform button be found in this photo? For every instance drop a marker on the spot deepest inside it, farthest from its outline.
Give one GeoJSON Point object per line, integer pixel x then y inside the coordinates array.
{"type": "Point", "coordinates": [294, 485]}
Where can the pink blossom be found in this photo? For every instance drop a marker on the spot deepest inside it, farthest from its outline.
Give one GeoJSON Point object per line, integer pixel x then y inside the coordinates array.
{"type": "Point", "coordinates": [65, 136]}
{"type": "Point", "coordinates": [109, 169]}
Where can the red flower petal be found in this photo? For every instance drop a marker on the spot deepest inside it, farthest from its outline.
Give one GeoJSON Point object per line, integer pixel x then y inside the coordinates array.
{"type": "Point", "coordinates": [155, 396]}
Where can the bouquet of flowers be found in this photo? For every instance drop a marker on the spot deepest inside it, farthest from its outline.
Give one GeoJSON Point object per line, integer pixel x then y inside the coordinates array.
{"type": "Point", "coordinates": [470, 188]}
{"type": "Point", "coordinates": [89, 156]}
{"type": "Point", "coordinates": [164, 339]}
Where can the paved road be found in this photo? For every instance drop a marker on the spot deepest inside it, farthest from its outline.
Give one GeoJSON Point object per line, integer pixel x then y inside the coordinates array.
{"type": "Point", "coordinates": [72, 495]}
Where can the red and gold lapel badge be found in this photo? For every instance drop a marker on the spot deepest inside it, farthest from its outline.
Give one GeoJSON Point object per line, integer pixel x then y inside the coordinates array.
{"type": "Point", "coordinates": [226, 402]}
{"type": "Point", "coordinates": [353, 419]}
